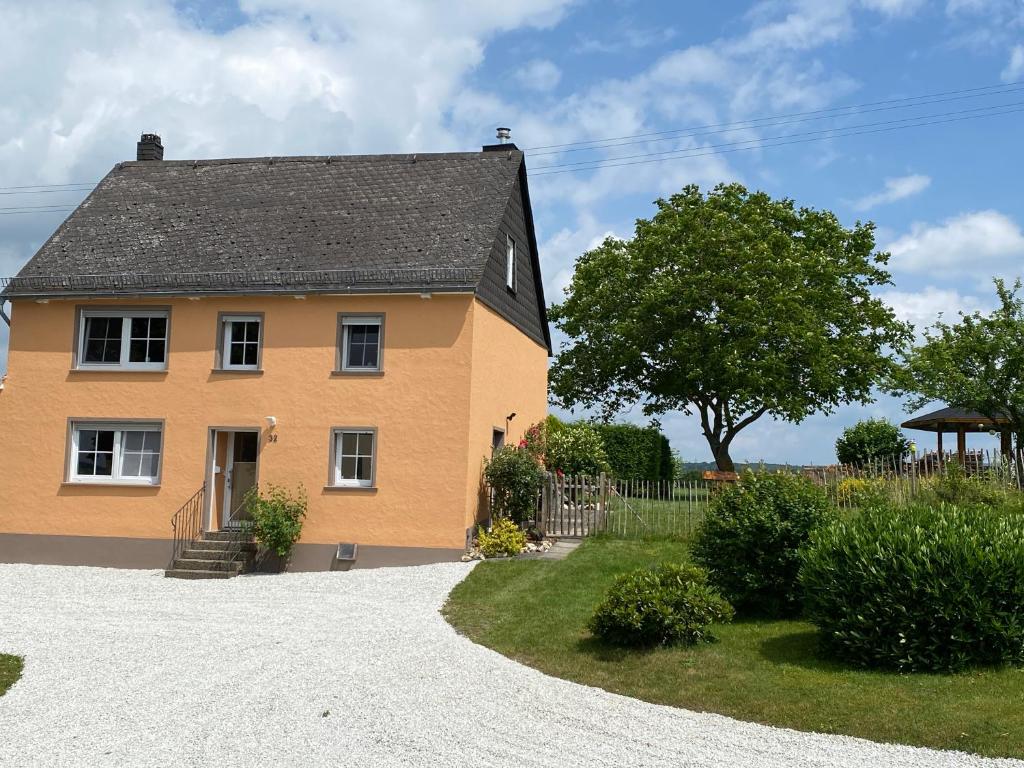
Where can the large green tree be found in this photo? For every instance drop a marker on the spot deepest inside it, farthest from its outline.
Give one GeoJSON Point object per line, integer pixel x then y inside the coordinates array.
{"type": "Point", "coordinates": [730, 305]}
{"type": "Point", "coordinates": [976, 363]}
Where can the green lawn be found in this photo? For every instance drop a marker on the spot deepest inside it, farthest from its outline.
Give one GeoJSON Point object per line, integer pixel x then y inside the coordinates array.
{"type": "Point", "coordinates": [768, 672]}
{"type": "Point", "coordinates": [10, 671]}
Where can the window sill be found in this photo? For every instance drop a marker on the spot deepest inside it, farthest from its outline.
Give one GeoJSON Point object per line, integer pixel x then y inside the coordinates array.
{"type": "Point", "coordinates": [106, 484]}
{"type": "Point", "coordinates": [115, 369]}
{"type": "Point", "coordinates": [238, 371]}
{"type": "Point", "coordinates": [354, 488]}
{"type": "Point", "coordinates": [343, 374]}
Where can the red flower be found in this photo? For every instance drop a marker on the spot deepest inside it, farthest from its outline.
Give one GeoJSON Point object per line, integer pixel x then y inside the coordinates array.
{"type": "Point", "coordinates": [560, 473]}
{"type": "Point", "coordinates": [522, 443]}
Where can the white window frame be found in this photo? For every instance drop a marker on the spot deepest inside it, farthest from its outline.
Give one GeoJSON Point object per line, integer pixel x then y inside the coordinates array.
{"type": "Point", "coordinates": [347, 321]}
{"type": "Point", "coordinates": [119, 429]}
{"type": "Point", "coordinates": [511, 275]}
{"type": "Point", "coordinates": [227, 321]}
{"type": "Point", "coordinates": [337, 480]}
{"type": "Point", "coordinates": [125, 316]}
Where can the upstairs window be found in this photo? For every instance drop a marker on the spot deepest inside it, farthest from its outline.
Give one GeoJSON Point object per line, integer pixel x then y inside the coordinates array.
{"type": "Point", "coordinates": [240, 342]}
{"type": "Point", "coordinates": [510, 264]}
{"type": "Point", "coordinates": [361, 337]}
{"type": "Point", "coordinates": [126, 453]}
{"type": "Point", "coordinates": [128, 339]}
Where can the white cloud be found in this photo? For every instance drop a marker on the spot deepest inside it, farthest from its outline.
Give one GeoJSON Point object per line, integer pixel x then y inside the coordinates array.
{"type": "Point", "coordinates": [985, 240]}
{"type": "Point", "coordinates": [291, 78]}
{"type": "Point", "coordinates": [539, 75]}
{"type": "Point", "coordinates": [922, 308]}
{"type": "Point", "coordinates": [893, 7]}
{"type": "Point", "coordinates": [1015, 66]}
{"type": "Point", "coordinates": [894, 189]}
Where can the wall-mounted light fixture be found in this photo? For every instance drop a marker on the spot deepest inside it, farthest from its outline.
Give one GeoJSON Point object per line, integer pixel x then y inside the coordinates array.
{"type": "Point", "coordinates": [271, 421]}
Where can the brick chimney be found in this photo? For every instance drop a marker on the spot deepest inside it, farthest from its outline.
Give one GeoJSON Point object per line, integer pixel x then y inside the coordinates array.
{"type": "Point", "coordinates": [149, 148]}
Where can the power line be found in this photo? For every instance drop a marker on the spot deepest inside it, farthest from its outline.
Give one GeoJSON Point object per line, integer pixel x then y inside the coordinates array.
{"type": "Point", "coordinates": [912, 120]}
{"type": "Point", "coordinates": [696, 151]}
{"type": "Point", "coordinates": [19, 213]}
{"type": "Point", "coordinates": [745, 125]}
{"type": "Point", "coordinates": [995, 88]}
{"type": "Point", "coordinates": [30, 207]}
{"type": "Point", "coordinates": [47, 191]}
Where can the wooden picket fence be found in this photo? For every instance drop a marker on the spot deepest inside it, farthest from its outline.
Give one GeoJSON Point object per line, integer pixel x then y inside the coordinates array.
{"type": "Point", "coordinates": [904, 478]}
{"type": "Point", "coordinates": [577, 506]}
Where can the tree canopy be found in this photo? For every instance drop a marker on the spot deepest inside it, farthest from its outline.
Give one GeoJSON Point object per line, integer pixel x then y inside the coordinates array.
{"type": "Point", "coordinates": [871, 440]}
{"type": "Point", "coordinates": [730, 305]}
{"type": "Point", "coordinates": [976, 363]}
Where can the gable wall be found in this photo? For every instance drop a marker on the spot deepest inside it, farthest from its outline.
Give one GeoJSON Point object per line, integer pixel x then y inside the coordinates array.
{"type": "Point", "coordinates": [521, 308]}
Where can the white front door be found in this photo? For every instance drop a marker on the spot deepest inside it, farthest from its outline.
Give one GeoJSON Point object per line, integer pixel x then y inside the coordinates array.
{"type": "Point", "coordinates": [241, 448]}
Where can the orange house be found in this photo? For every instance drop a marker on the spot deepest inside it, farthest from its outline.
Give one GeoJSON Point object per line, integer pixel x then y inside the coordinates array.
{"type": "Point", "coordinates": [367, 327]}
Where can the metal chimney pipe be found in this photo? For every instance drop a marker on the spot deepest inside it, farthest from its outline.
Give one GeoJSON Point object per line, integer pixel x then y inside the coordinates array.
{"type": "Point", "coordinates": [504, 135]}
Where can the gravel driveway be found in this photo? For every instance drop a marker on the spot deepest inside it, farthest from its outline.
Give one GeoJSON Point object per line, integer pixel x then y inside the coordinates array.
{"type": "Point", "coordinates": [342, 669]}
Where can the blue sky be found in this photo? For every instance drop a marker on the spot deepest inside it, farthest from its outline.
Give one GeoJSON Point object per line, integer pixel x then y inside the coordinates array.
{"type": "Point", "coordinates": [80, 81]}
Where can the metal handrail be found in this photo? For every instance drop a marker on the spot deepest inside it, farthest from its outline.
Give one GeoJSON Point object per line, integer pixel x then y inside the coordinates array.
{"type": "Point", "coordinates": [267, 280]}
{"type": "Point", "coordinates": [187, 522]}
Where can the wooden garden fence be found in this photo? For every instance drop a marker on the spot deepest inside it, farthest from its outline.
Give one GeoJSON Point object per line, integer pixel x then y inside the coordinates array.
{"type": "Point", "coordinates": [581, 505]}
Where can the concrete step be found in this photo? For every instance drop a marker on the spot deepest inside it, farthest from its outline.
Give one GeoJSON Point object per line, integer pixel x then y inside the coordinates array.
{"type": "Point", "coordinates": [222, 545]}
{"type": "Point", "coordinates": [200, 552]}
{"type": "Point", "coordinates": [195, 564]}
{"type": "Point", "coordinates": [228, 535]}
{"type": "Point", "coordinates": [176, 573]}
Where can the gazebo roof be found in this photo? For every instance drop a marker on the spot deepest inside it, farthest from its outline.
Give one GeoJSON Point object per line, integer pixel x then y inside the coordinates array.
{"type": "Point", "coordinates": [952, 420]}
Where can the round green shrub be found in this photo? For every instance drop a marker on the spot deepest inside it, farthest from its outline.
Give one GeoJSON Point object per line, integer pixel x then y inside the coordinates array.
{"type": "Point", "coordinates": [275, 520]}
{"type": "Point", "coordinates": [925, 588]}
{"type": "Point", "coordinates": [871, 440]}
{"type": "Point", "coordinates": [515, 479]}
{"type": "Point", "coordinates": [667, 605]}
{"type": "Point", "coordinates": [504, 538]}
{"type": "Point", "coordinates": [750, 538]}
{"type": "Point", "coordinates": [576, 449]}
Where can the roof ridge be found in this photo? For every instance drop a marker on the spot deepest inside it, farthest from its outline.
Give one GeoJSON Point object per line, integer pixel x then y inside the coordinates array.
{"type": "Point", "coordinates": [271, 159]}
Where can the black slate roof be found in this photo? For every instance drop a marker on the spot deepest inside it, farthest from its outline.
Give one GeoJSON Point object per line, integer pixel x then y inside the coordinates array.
{"type": "Point", "coordinates": [331, 224]}
{"type": "Point", "coordinates": [971, 420]}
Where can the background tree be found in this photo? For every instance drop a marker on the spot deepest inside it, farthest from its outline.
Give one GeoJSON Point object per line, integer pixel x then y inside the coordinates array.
{"type": "Point", "coordinates": [871, 440]}
{"type": "Point", "coordinates": [730, 305]}
{"type": "Point", "coordinates": [976, 363]}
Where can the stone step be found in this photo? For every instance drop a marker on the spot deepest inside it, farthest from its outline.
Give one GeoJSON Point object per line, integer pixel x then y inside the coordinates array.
{"type": "Point", "coordinates": [228, 535]}
{"type": "Point", "coordinates": [176, 573]}
{"type": "Point", "coordinates": [200, 552]}
{"type": "Point", "coordinates": [195, 564]}
{"type": "Point", "coordinates": [220, 545]}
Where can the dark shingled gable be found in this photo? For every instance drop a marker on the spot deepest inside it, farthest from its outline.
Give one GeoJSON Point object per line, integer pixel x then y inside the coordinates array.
{"type": "Point", "coordinates": [360, 223]}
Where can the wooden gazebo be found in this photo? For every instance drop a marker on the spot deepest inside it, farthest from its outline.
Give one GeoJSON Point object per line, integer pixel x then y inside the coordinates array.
{"type": "Point", "coordinates": [961, 421]}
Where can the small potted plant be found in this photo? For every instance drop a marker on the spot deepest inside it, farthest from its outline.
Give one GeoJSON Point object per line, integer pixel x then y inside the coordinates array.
{"type": "Point", "coordinates": [275, 522]}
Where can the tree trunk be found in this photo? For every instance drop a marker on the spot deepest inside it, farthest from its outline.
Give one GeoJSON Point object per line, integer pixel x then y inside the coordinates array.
{"type": "Point", "coordinates": [723, 459]}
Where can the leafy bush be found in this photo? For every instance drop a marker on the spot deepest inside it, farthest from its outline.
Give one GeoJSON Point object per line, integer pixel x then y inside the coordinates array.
{"type": "Point", "coordinates": [937, 588]}
{"type": "Point", "coordinates": [954, 486]}
{"type": "Point", "coordinates": [871, 440]}
{"type": "Point", "coordinates": [515, 479]}
{"type": "Point", "coordinates": [576, 449]}
{"type": "Point", "coordinates": [862, 492]}
{"type": "Point", "coordinates": [750, 538]}
{"type": "Point", "coordinates": [668, 605]}
{"type": "Point", "coordinates": [636, 453]}
{"type": "Point", "coordinates": [276, 519]}
{"type": "Point", "coordinates": [504, 538]}
{"type": "Point", "coordinates": [535, 441]}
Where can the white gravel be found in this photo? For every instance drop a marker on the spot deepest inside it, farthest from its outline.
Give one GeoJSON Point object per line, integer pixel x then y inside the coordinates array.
{"type": "Point", "coordinates": [128, 668]}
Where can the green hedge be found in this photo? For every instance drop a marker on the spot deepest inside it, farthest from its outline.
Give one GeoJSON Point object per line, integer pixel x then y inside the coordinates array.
{"type": "Point", "coordinates": [636, 453]}
{"type": "Point", "coordinates": [922, 588]}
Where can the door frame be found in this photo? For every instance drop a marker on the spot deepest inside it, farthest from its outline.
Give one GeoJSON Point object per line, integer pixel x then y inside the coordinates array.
{"type": "Point", "coordinates": [211, 475]}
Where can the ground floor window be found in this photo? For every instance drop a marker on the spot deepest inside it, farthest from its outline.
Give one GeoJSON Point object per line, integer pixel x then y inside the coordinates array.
{"type": "Point", "coordinates": [355, 452]}
{"type": "Point", "coordinates": [107, 452]}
